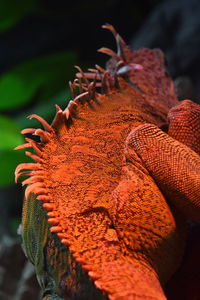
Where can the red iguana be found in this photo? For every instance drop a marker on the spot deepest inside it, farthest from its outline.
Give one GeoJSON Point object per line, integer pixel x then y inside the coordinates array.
{"type": "Point", "coordinates": [118, 189]}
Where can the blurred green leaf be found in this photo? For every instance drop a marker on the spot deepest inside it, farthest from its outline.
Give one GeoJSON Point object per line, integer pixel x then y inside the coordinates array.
{"type": "Point", "coordinates": [10, 137]}
{"type": "Point", "coordinates": [11, 12]}
{"type": "Point", "coordinates": [42, 77]}
{"type": "Point", "coordinates": [9, 159]}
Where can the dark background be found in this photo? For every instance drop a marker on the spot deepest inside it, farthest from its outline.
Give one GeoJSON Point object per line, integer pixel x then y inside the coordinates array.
{"type": "Point", "coordinates": [40, 41]}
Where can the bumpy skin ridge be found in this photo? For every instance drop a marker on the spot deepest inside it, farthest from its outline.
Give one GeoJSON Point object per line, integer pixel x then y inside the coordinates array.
{"type": "Point", "coordinates": [100, 188]}
{"type": "Point", "coordinates": [178, 177]}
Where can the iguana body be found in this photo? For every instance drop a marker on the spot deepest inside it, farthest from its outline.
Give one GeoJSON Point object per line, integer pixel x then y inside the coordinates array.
{"type": "Point", "coordinates": [104, 171]}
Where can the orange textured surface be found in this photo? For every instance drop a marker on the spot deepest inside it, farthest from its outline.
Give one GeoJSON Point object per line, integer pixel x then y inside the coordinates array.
{"type": "Point", "coordinates": [100, 169]}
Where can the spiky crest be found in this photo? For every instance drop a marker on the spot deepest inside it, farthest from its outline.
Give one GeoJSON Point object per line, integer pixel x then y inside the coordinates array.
{"type": "Point", "coordinates": [87, 92]}
{"type": "Point", "coordinates": [88, 84]}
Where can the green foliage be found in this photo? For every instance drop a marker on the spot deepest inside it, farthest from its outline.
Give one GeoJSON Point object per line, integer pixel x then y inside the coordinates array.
{"type": "Point", "coordinates": [10, 137]}
{"type": "Point", "coordinates": [34, 86]}
{"type": "Point", "coordinates": [11, 12]}
{"type": "Point", "coordinates": [39, 78]}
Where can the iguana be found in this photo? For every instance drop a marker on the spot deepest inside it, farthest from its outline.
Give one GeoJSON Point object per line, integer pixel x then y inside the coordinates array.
{"type": "Point", "coordinates": [118, 173]}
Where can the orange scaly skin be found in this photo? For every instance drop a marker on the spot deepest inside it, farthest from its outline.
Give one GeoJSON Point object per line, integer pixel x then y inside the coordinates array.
{"type": "Point", "coordinates": [104, 171]}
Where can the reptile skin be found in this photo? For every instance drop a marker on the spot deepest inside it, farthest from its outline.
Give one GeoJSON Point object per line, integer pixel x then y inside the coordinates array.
{"type": "Point", "coordinates": [117, 187]}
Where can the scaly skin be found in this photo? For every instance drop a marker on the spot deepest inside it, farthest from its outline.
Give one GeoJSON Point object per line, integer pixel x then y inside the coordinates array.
{"type": "Point", "coordinates": [104, 171]}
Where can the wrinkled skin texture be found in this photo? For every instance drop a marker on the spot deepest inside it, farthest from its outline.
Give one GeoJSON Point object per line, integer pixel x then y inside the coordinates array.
{"type": "Point", "coordinates": [118, 190]}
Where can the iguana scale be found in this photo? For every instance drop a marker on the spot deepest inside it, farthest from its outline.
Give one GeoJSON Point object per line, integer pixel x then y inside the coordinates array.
{"type": "Point", "coordinates": [117, 187]}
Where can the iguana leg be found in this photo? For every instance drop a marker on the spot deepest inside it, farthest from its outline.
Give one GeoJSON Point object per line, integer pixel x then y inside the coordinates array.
{"type": "Point", "coordinates": [145, 224]}
{"type": "Point", "coordinates": [174, 166]}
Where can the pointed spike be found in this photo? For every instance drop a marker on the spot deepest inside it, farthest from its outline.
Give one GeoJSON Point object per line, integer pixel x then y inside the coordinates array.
{"type": "Point", "coordinates": [44, 198]}
{"type": "Point", "coordinates": [99, 284]}
{"type": "Point", "coordinates": [94, 73]}
{"type": "Point", "coordinates": [75, 83]}
{"type": "Point", "coordinates": [93, 70]}
{"type": "Point", "coordinates": [58, 119]}
{"type": "Point", "coordinates": [40, 191]}
{"type": "Point", "coordinates": [119, 64]}
{"type": "Point", "coordinates": [58, 109]}
{"type": "Point", "coordinates": [86, 267]}
{"type": "Point", "coordinates": [53, 221]}
{"type": "Point", "coordinates": [71, 105]}
{"type": "Point", "coordinates": [93, 275]}
{"type": "Point", "coordinates": [110, 53]}
{"type": "Point", "coordinates": [92, 89]}
{"type": "Point", "coordinates": [88, 74]}
{"type": "Point", "coordinates": [48, 206]}
{"type": "Point", "coordinates": [51, 214]}
{"type": "Point", "coordinates": [110, 80]}
{"type": "Point", "coordinates": [27, 173]}
{"type": "Point", "coordinates": [69, 108]}
{"type": "Point", "coordinates": [65, 242]}
{"type": "Point", "coordinates": [29, 190]}
{"type": "Point", "coordinates": [38, 174]}
{"type": "Point", "coordinates": [102, 70]}
{"type": "Point", "coordinates": [80, 96]}
{"type": "Point", "coordinates": [45, 136]}
{"type": "Point", "coordinates": [55, 228]}
{"type": "Point", "coordinates": [67, 113]}
{"type": "Point", "coordinates": [30, 180]}
{"type": "Point", "coordinates": [104, 83]}
{"type": "Point", "coordinates": [34, 157]}
{"type": "Point", "coordinates": [39, 184]}
{"type": "Point", "coordinates": [76, 255]}
{"type": "Point", "coordinates": [83, 74]}
{"type": "Point", "coordinates": [80, 85]}
{"type": "Point", "coordinates": [35, 188]}
{"type": "Point", "coordinates": [89, 90]}
{"type": "Point", "coordinates": [35, 146]}
{"type": "Point", "coordinates": [72, 249]}
{"type": "Point", "coordinates": [23, 146]}
{"type": "Point", "coordinates": [44, 123]}
{"type": "Point", "coordinates": [61, 235]}
{"type": "Point", "coordinates": [26, 166]}
{"type": "Point", "coordinates": [79, 260]}
{"type": "Point", "coordinates": [72, 89]}
{"type": "Point", "coordinates": [111, 28]}
{"type": "Point", "coordinates": [122, 49]}
{"type": "Point", "coordinates": [28, 130]}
